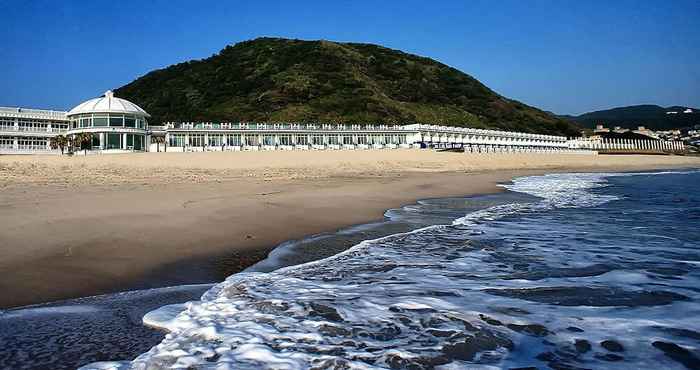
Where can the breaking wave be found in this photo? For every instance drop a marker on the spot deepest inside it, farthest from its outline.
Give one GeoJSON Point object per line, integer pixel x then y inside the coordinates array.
{"type": "Point", "coordinates": [587, 276]}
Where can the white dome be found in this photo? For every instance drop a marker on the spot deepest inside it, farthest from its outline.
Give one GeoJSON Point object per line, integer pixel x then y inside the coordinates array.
{"type": "Point", "coordinates": [108, 104]}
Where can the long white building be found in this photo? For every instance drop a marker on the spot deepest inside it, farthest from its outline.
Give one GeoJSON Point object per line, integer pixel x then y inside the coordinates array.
{"type": "Point", "coordinates": [297, 136]}
{"type": "Point", "coordinates": [29, 130]}
{"type": "Point", "coordinates": [116, 126]}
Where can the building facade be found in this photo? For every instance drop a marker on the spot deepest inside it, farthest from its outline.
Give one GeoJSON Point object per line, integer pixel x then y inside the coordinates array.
{"type": "Point", "coordinates": [116, 125]}
{"type": "Point", "coordinates": [30, 130]}
{"type": "Point", "coordinates": [179, 137]}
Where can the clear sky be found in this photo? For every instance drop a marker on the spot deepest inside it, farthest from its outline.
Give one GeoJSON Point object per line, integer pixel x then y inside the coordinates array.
{"type": "Point", "coordinates": [561, 55]}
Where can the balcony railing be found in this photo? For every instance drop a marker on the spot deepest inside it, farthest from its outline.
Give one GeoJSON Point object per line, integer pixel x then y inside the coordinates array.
{"type": "Point", "coordinates": [32, 130]}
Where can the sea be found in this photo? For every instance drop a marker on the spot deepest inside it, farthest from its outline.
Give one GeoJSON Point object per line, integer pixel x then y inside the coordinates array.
{"type": "Point", "coordinates": [561, 271]}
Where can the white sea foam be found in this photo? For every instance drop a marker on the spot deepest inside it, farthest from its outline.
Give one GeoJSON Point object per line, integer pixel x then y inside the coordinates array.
{"type": "Point", "coordinates": [401, 299]}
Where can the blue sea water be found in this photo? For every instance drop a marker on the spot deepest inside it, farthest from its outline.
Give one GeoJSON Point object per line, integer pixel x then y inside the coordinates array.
{"type": "Point", "coordinates": [564, 271]}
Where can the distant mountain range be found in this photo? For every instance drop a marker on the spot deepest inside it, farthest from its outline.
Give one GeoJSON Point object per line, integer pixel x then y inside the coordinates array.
{"type": "Point", "coordinates": [651, 116]}
{"type": "Point", "coordinates": [282, 80]}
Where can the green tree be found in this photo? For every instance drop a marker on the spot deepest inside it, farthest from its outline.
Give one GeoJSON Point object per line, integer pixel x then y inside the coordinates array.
{"type": "Point", "coordinates": [159, 140]}
{"type": "Point", "coordinates": [82, 140]}
{"type": "Point", "coordinates": [59, 142]}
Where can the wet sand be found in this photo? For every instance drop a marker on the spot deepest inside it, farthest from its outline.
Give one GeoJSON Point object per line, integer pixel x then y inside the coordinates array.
{"type": "Point", "coordinates": [73, 227]}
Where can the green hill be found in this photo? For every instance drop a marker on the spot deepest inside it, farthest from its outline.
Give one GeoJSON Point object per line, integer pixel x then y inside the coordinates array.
{"type": "Point", "coordinates": [651, 116]}
{"type": "Point", "coordinates": [275, 80]}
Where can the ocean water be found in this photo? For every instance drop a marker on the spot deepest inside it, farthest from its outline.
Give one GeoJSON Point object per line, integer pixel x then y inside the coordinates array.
{"type": "Point", "coordinates": [585, 271]}
{"type": "Point", "coordinates": [568, 271]}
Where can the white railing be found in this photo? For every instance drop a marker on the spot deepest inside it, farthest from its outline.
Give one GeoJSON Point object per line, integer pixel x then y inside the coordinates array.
{"type": "Point", "coordinates": [33, 113]}
{"type": "Point", "coordinates": [32, 129]}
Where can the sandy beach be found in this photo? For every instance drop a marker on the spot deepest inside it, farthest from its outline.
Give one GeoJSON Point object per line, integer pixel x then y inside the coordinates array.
{"type": "Point", "coordinates": [88, 225]}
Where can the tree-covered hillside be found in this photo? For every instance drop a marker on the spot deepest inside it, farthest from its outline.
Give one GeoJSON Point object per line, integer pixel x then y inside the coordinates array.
{"type": "Point", "coordinates": [274, 80]}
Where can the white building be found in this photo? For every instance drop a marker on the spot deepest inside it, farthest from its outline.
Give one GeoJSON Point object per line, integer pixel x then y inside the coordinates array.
{"type": "Point", "coordinates": [299, 136]}
{"type": "Point", "coordinates": [29, 130]}
{"type": "Point", "coordinates": [116, 125]}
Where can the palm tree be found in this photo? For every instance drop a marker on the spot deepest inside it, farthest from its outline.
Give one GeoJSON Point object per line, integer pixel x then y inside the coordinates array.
{"type": "Point", "coordinates": [59, 142]}
{"type": "Point", "coordinates": [82, 140]}
{"type": "Point", "coordinates": [159, 140]}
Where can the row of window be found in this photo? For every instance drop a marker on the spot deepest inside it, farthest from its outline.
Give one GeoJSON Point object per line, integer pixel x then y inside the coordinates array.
{"type": "Point", "coordinates": [7, 143]}
{"type": "Point", "coordinates": [32, 143]}
{"type": "Point", "coordinates": [198, 140]}
{"type": "Point", "coordinates": [107, 120]}
{"type": "Point", "coordinates": [31, 125]}
{"type": "Point", "coordinates": [116, 141]}
{"type": "Point", "coordinates": [277, 126]}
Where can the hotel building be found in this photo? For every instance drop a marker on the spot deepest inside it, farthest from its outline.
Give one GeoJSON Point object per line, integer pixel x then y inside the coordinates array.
{"type": "Point", "coordinates": [116, 125]}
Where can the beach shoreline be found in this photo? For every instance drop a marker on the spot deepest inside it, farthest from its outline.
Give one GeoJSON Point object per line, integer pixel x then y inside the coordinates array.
{"type": "Point", "coordinates": [75, 227]}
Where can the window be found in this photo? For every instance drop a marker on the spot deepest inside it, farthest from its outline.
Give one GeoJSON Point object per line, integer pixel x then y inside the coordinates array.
{"type": "Point", "coordinates": [196, 140]}
{"type": "Point", "coordinates": [215, 140]}
{"type": "Point", "coordinates": [130, 122]}
{"type": "Point", "coordinates": [347, 139]}
{"type": "Point", "coordinates": [176, 140]}
{"type": "Point", "coordinates": [302, 140]}
{"type": "Point", "coordinates": [333, 139]}
{"type": "Point", "coordinates": [114, 141]}
{"type": "Point", "coordinates": [100, 121]}
{"type": "Point", "coordinates": [268, 140]}
{"type": "Point", "coordinates": [116, 121]}
{"type": "Point", "coordinates": [233, 140]}
{"type": "Point", "coordinates": [6, 142]}
{"type": "Point", "coordinates": [31, 143]}
{"type": "Point", "coordinates": [136, 141]}
{"type": "Point", "coordinates": [317, 139]}
{"type": "Point", "coordinates": [285, 139]}
{"type": "Point", "coordinates": [252, 140]}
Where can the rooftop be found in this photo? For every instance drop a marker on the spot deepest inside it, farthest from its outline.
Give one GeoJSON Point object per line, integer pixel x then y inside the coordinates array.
{"type": "Point", "coordinates": [108, 104]}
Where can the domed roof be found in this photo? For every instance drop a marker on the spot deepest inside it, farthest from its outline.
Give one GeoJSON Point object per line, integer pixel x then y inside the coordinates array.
{"type": "Point", "coordinates": [108, 104]}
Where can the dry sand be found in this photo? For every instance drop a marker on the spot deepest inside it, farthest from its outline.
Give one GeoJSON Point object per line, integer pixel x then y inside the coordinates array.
{"type": "Point", "coordinates": [80, 226]}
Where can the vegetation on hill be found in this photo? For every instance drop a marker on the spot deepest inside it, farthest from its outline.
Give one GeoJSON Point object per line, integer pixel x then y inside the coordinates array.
{"type": "Point", "coordinates": [651, 116]}
{"type": "Point", "coordinates": [281, 80]}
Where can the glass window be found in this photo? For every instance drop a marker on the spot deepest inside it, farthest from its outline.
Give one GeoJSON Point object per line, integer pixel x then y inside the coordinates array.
{"type": "Point", "coordinates": [99, 121]}
{"type": "Point", "coordinates": [285, 139]}
{"type": "Point", "coordinates": [116, 121]}
{"type": "Point", "coordinates": [302, 140]}
{"type": "Point", "coordinates": [176, 140]}
{"type": "Point", "coordinates": [114, 141]}
{"type": "Point", "coordinates": [268, 140]}
{"type": "Point", "coordinates": [234, 140]}
{"type": "Point", "coordinates": [252, 140]}
{"type": "Point", "coordinates": [130, 122]}
{"type": "Point", "coordinates": [215, 140]}
{"type": "Point", "coordinates": [138, 142]}
{"type": "Point", "coordinates": [196, 140]}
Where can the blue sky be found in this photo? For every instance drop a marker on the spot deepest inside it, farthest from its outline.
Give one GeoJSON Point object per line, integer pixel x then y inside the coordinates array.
{"type": "Point", "coordinates": [559, 55]}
